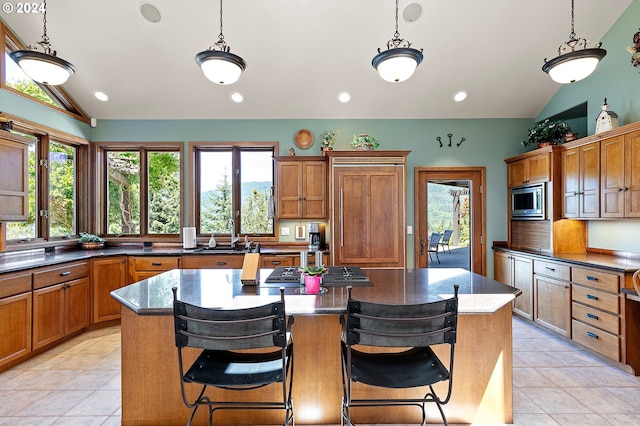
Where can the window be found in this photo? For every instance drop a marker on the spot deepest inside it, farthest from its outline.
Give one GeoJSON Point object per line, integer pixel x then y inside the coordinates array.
{"type": "Point", "coordinates": [142, 189]}
{"type": "Point", "coordinates": [234, 182]}
{"type": "Point", "coordinates": [17, 80]}
{"type": "Point", "coordinates": [54, 184]}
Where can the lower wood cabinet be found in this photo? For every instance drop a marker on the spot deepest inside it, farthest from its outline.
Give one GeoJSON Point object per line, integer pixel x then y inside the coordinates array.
{"type": "Point", "coordinates": [107, 274]}
{"type": "Point", "coordinates": [234, 261]}
{"type": "Point", "coordinates": [15, 316]}
{"type": "Point", "coordinates": [275, 261]}
{"type": "Point", "coordinates": [143, 267]}
{"type": "Point", "coordinates": [59, 310]}
{"type": "Point", "coordinates": [552, 296]}
{"type": "Point", "coordinates": [516, 271]}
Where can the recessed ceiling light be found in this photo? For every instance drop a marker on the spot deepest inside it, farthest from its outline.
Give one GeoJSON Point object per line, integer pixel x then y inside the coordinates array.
{"type": "Point", "coordinates": [150, 13]}
{"type": "Point", "coordinates": [101, 96]}
{"type": "Point", "coordinates": [237, 97]}
{"type": "Point", "coordinates": [412, 12]}
{"type": "Point", "coordinates": [460, 96]}
{"type": "Point", "coordinates": [344, 97]}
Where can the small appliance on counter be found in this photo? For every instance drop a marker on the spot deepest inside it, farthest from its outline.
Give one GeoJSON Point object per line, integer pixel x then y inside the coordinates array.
{"type": "Point", "coordinates": [316, 236]}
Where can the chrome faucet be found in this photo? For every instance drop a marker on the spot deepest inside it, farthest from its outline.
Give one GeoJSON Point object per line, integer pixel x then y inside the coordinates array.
{"type": "Point", "coordinates": [234, 238]}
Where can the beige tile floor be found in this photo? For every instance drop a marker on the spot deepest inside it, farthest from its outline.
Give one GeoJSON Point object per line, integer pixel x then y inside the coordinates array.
{"type": "Point", "coordinates": [555, 383]}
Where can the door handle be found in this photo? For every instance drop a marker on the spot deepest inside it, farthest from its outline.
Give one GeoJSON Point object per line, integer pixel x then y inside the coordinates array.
{"type": "Point", "coordinates": [422, 246]}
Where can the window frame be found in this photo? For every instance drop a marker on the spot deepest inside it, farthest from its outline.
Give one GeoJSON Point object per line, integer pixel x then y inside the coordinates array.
{"type": "Point", "coordinates": [100, 213]}
{"type": "Point", "coordinates": [194, 181]}
{"type": "Point", "coordinates": [69, 106]}
{"type": "Point", "coordinates": [44, 135]}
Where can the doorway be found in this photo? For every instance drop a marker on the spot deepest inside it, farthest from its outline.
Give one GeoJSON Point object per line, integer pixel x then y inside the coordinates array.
{"type": "Point", "coordinates": [459, 191]}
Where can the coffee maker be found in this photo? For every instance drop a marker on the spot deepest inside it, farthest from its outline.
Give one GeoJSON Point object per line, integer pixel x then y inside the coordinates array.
{"type": "Point", "coordinates": [316, 236]}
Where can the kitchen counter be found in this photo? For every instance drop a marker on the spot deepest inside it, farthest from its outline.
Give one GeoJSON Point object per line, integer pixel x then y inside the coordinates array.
{"type": "Point", "coordinates": [618, 264]}
{"type": "Point", "coordinates": [483, 351]}
{"type": "Point", "coordinates": [20, 260]}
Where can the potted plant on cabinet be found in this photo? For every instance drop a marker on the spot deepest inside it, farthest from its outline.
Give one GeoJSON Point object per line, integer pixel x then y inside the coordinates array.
{"type": "Point", "coordinates": [549, 132]}
{"type": "Point", "coordinates": [364, 142]}
{"type": "Point", "coordinates": [312, 278]}
{"type": "Point", "coordinates": [328, 139]}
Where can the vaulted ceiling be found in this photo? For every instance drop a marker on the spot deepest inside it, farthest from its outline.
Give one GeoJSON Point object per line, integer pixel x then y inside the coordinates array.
{"type": "Point", "coordinates": [301, 54]}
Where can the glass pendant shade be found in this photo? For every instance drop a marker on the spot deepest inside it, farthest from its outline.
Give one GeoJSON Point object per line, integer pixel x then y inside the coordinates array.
{"type": "Point", "coordinates": [43, 68]}
{"type": "Point", "coordinates": [398, 64]}
{"type": "Point", "coordinates": [574, 66]}
{"type": "Point", "coordinates": [221, 67]}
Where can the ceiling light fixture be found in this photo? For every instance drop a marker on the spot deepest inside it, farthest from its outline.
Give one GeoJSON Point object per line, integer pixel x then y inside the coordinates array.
{"type": "Point", "coordinates": [237, 97]}
{"type": "Point", "coordinates": [460, 96]}
{"type": "Point", "coordinates": [218, 64]}
{"type": "Point", "coordinates": [399, 61]}
{"type": "Point", "coordinates": [344, 97]}
{"type": "Point", "coordinates": [573, 65]}
{"type": "Point", "coordinates": [101, 96]}
{"type": "Point", "coordinates": [43, 67]}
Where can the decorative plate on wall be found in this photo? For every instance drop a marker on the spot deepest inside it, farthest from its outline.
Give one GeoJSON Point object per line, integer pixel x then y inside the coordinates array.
{"type": "Point", "coordinates": [303, 139]}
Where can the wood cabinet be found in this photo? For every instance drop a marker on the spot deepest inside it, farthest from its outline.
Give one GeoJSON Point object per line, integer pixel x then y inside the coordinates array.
{"type": "Point", "coordinates": [368, 211]}
{"type": "Point", "coordinates": [15, 316]}
{"type": "Point", "coordinates": [217, 261]}
{"type": "Point", "coordinates": [61, 303]}
{"type": "Point", "coordinates": [278, 260]}
{"type": "Point", "coordinates": [552, 296]}
{"type": "Point", "coordinates": [534, 169]}
{"type": "Point", "coordinates": [143, 267]}
{"type": "Point", "coordinates": [516, 271]}
{"type": "Point", "coordinates": [301, 187]}
{"type": "Point", "coordinates": [620, 181]}
{"type": "Point", "coordinates": [581, 181]}
{"type": "Point", "coordinates": [107, 274]}
{"type": "Point", "coordinates": [14, 180]}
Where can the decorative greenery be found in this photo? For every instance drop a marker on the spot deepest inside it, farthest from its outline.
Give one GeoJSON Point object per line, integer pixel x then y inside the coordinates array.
{"type": "Point", "coordinates": [313, 270]}
{"type": "Point", "coordinates": [635, 50]}
{"type": "Point", "coordinates": [547, 131]}
{"type": "Point", "coordinates": [329, 138]}
{"type": "Point", "coordinates": [364, 142]}
{"type": "Point", "coordinates": [90, 238]}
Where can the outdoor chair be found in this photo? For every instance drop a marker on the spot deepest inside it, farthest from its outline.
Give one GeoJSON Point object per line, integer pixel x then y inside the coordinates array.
{"type": "Point", "coordinates": [416, 327]}
{"type": "Point", "coordinates": [434, 244]}
{"type": "Point", "coordinates": [446, 239]}
{"type": "Point", "coordinates": [223, 335]}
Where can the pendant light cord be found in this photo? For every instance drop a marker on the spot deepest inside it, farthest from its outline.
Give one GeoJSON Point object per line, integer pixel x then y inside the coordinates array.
{"type": "Point", "coordinates": [573, 32]}
{"type": "Point", "coordinates": [220, 36]}
{"type": "Point", "coordinates": [397, 34]}
{"type": "Point", "coordinates": [45, 38]}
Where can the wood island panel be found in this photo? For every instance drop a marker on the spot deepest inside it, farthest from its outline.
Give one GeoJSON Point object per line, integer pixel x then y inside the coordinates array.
{"type": "Point", "coordinates": [482, 384]}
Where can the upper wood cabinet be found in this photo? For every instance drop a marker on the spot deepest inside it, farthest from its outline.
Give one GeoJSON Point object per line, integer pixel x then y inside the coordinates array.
{"type": "Point", "coordinates": [368, 209]}
{"type": "Point", "coordinates": [301, 187]}
{"type": "Point", "coordinates": [620, 170]}
{"type": "Point", "coordinates": [534, 169]}
{"type": "Point", "coordinates": [581, 181]}
{"type": "Point", "coordinates": [14, 182]}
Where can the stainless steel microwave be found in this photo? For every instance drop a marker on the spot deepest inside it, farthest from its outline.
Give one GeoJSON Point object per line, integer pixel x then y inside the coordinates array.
{"type": "Point", "coordinates": [528, 202]}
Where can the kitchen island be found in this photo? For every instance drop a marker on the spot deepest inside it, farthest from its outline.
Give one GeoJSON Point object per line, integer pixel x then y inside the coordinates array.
{"type": "Point", "coordinates": [482, 384]}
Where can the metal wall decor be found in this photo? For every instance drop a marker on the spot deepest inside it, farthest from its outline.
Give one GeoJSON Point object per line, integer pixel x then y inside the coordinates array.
{"type": "Point", "coordinates": [450, 144]}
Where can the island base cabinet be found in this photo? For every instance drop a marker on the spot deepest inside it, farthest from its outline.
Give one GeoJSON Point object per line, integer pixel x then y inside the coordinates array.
{"type": "Point", "coordinates": [482, 385]}
{"type": "Point", "coordinates": [15, 327]}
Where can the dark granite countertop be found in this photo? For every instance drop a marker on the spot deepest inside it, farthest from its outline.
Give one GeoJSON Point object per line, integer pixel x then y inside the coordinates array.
{"type": "Point", "coordinates": [221, 288]}
{"type": "Point", "coordinates": [19, 260]}
{"type": "Point", "coordinates": [618, 264]}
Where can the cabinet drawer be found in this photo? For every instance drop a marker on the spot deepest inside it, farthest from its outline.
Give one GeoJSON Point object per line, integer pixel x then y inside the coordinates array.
{"type": "Point", "coordinates": [275, 261]}
{"type": "Point", "coordinates": [595, 298]}
{"type": "Point", "coordinates": [607, 281]}
{"type": "Point", "coordinates": [600, 341]}
{"type": "Point", "coordinates": [14, 283]}
{"type": "Point", "coordinates": [606, 321]}
{"type": "Point", "coordinates": [552, 269]}
{"type": "Point", "coordinates": [212, 262]}
{"type": "Point", "coordinates": [60, 274]}
{"type": "Point", "coordinates": [155, 263]}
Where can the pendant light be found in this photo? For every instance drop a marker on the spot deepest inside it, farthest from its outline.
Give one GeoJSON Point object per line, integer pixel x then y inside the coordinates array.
{"type": "Point", "coordinates": [218, 64]}
{"type": "Point", "coordinates": [43, 67]}
{"type": "Point", "coordinates": [399, 61]}
{"type": "Point", "coordinates": [574, 61]}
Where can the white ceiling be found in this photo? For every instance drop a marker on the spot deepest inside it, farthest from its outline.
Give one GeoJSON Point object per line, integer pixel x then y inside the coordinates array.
{"type": "Point", "coordinates": [301, 53]}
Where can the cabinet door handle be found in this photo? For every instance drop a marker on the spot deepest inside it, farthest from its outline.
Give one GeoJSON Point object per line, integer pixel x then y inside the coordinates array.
{"type": "Point", "coordinates": [276, 262]}
{"type": "Point", "coordinates": [341, 219]}
{"type": "Point", "coordinates": [64, 274]}
{"type": "Point", "coordinates": [156, 264]}
{"type": "Point", "coordinates": [592, 278]}
{"type": "Point", "coordinates": [548, 268]}
{"type": "Point", "coordinates": [620, 189]}
{"type": "Point", "coordinates": [592, 297]}
{"type": "Point", "coordinates": [595, 317]}
{"type": "Point", "coordinates": [594, 335]}
{"type": "Point", "coordinates": [221, 263]}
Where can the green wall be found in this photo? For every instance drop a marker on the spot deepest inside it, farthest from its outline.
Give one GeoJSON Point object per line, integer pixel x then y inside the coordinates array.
{"type": "Point", "coordinates": [619, 82]}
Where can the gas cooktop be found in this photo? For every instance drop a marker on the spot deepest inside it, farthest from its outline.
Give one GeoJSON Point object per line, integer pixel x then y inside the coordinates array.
{"type": "Point", "coordinates": [336, 276]}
